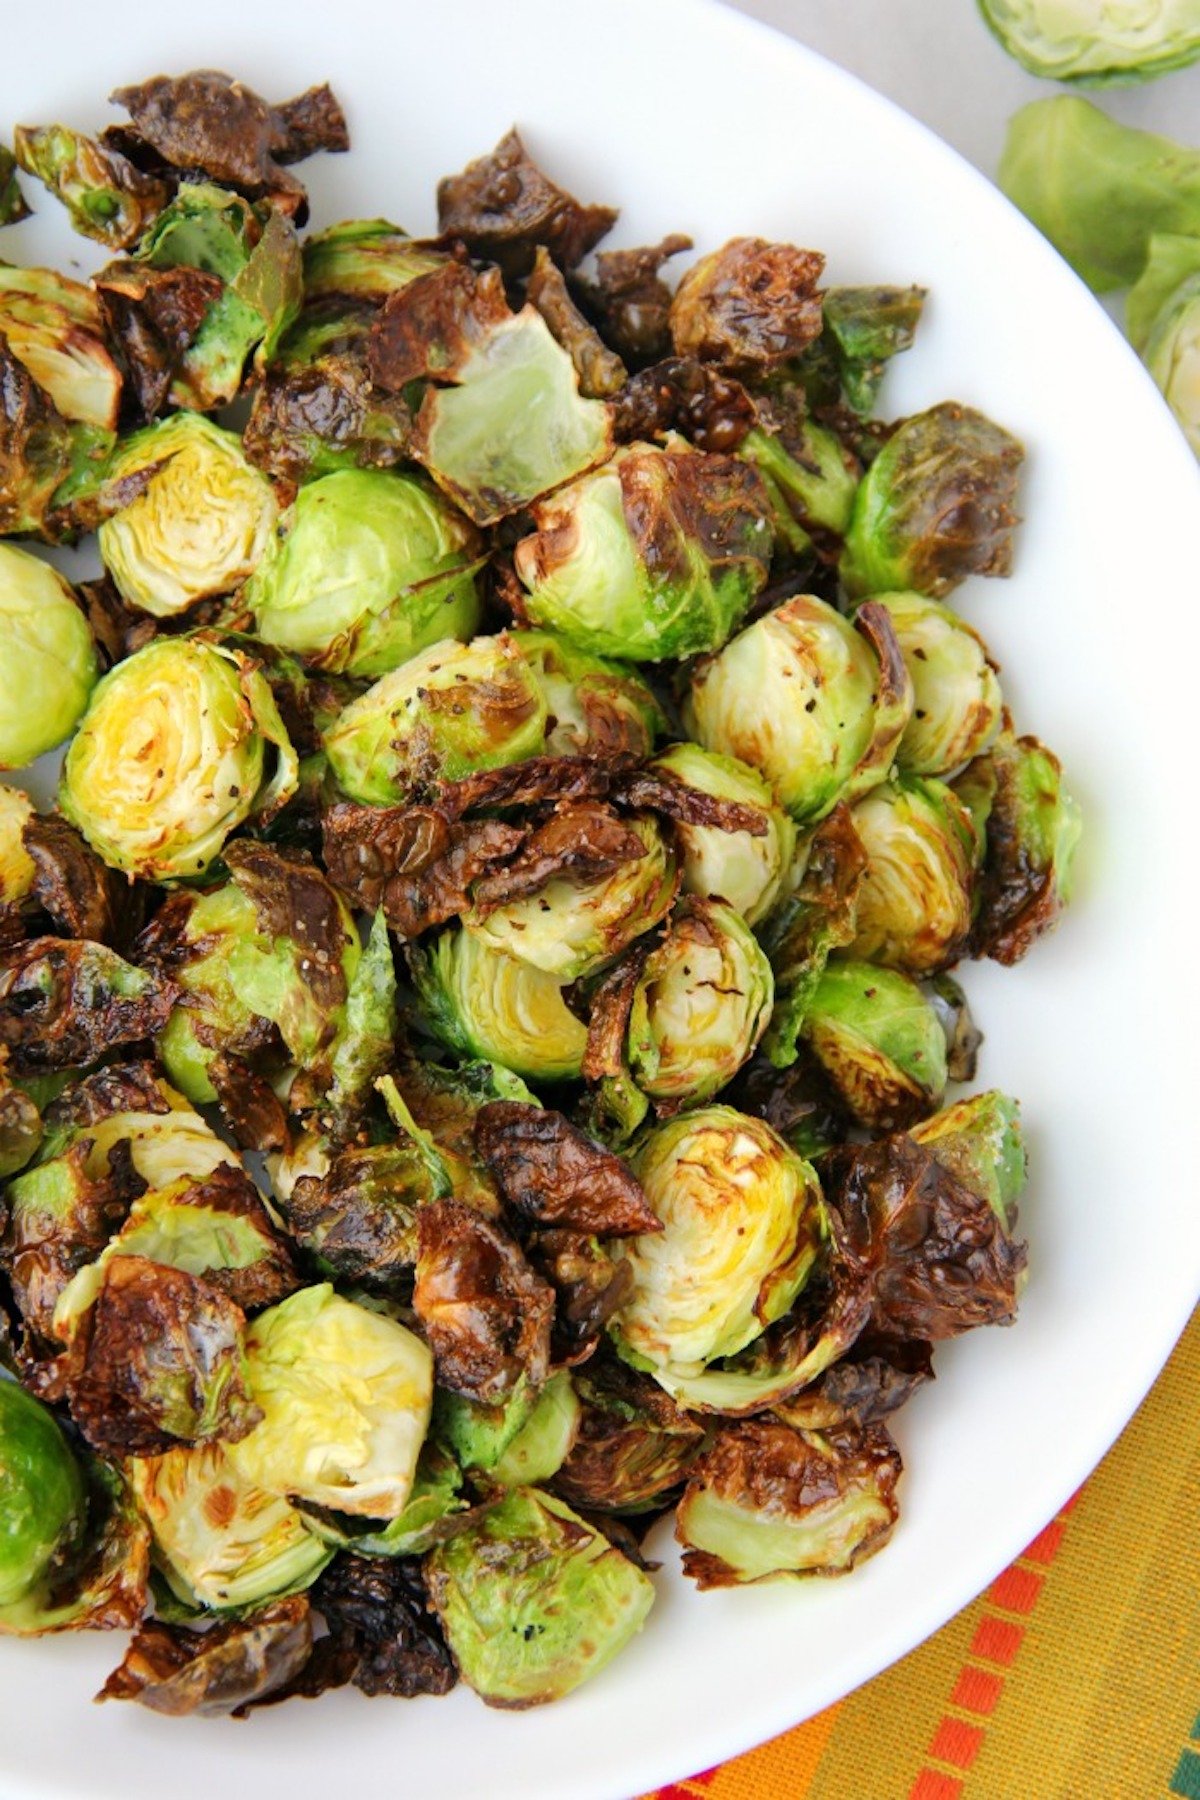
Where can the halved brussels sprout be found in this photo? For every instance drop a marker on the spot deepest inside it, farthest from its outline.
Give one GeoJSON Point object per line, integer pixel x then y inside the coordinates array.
{"type": "Point", "coordinates": [220, 1540]}
{"type": "Point", "coordinates": [634, 1444]}
{"type": "Point", "coordinates": [435, 1510]}
{"type": "Point", "coordinates": [658, 554]}
{"type": "Point", "coordinates": [765, 1500]}
{"type": "Point", "coordinates": [514, 425]}
{"type": "Point", "coordinates": [365, 1046]}
{"type": "Point", "coordinates": [749, 305]}
{"type": "Point", "coordinates": [879, 1041]}
{"type": "Point", "coordinates": [542, 1445]}
{"type": "Point", "coordinates": [345, 1395]}
{"type": "Point", "coordinates": [49, 665]}
{"type": "Point", "coordinates": [485, 1004]}
{"type": "Point", "coordinates": [224, 1669]}
{"type": "Point", "coordinates": [16, 865]}
{"type": "Point", "coordinates": [979, 1141]}
{"type": "Point", "coordinates": [800, 695]}
{"type": "Point", "coordinates": [55, 327]}
{"type": "Point", "coordinates": [171, 757]}
{"type": "Point", "coordinates": [364, 259]}
{"type": "Point", "coordinates": [533, 1601]}
{"type": "Point", "coordinates": [1162, 317]}
{"type": "Point", "coordinates": [746, 871]}
{"type": "Point", "coordinates": [809, 475]}
{"type": "Point", "coordinates": [815, 915]}
{"type": "Point", "coordinates": [368, 567]}
{"type": "Point", "coordinates": [914, 906]}
{"type": "Point", "coordinates": [593, 707]}
{"type": "Point", "coordinates": [199, 524]}
{"type": "Point", "coordinates": [451, 709]}
{"type": "Point", "coordinates": [42, 1502]}
{"type": "Point", "coordinates": [106, 197]}
{"type": "Point", "coordinates": [572, 930]}
{"type": "Point", "coordinates": [935, 506]}
{"type": "Point", "coordinates": [957, 705]}
{"type": "Point", "coordinates": [51, 470]}
{"type": "Point", "coordinates": [743, 1228]}
{"type": "Point", "coordinates": [478, 1432]}
{"type": "Point", "coordinates": [101, 1580]}
{"type": "Point", "coordinates": [1031, 826]}
{"type": "Point", "coordinates": [866, 327]}
{"type": "Point", "coordinates": [1072, 40]}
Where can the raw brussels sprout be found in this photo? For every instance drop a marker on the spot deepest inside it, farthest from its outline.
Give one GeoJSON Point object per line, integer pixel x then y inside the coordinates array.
{"type": "Point", "coordinates": [979, 1141]}
{"type": "Point", "coordinates": [743, 1228]}
{"type": "Point", "coordinates": [700, 1005]}
{"type": "Point", "coordinates": [1099, 190]}
{"type": "Point", "coordinates": [935, 506]}
{"type": "Point", "coordinates": [220, 1540]}
{"type": "Point", "coordinates": [364, 259]}
{"type": "Point", "coordinates": [106, 197]}
{"type": "Point", "coordinates": [55, 328]}
{"type": "Point", "coordinates": [657, 554]}
{"type": "Point", "coordinates": [957, 705]}
{"type": "Point", "coordinates": [1073, 40]}
{"type": "Point", "coordinates": [368, 568]}
{"type": "Point", "coordinates": [810, 477]}
{"type": "Point", "coordinates": [533, 1601]}
{"type": "Point", "coordinates": [914, 906]}
{"type": "Point", "coordinates": [42, 1501]}
{"type": "Point", "coordinates": [593, 707]}
{"type": "Point", "coordinates": [451, 709]}
{"type": "Point", "coordinates": [485, 1004]}
{"type": "Point", "coordinates": [879, 1041]}
{"type": "Point", "coordinates": [806, 699]}
{"type": "Point", "coordinates": [633, 1446]}
{"type": "Point", "coordinates": [16, 865]}
{"type": "Point", "coordinates": [746, 871]}
{"type": "Point", "coordinates": [1031, 824]}
{"type": "Point", "coordinates": [345, 1395]}
{"type": "Point", "coordinates": [572, 930]}
{"type": "Point", "coordinates": [514, 425]}
{"type": "Point", "coordinates": [199, 524]}
{"type": "Point", "coordinates": [765, 1500]}
{"type": "Point", "coordinates": [544, 1441]}
{"type": "Point", "coordinates": [49, 665]}
{"type": "Point", "coordinates": [866, 327]}
{"type": "Point", "coordinates": [1162, 316]}
{"type": "Point", "coordinates": [172, 756]}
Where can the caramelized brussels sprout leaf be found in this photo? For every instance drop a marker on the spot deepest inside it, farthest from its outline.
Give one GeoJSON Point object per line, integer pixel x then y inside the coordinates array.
{"type": "Point", "coordinates": [226, 1669]}
{"type": "Point", "coordinates": [502, 206]}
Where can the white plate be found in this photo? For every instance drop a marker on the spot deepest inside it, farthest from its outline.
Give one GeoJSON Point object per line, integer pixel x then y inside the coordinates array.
{"type": "Point", "coordinates": [693, 119]}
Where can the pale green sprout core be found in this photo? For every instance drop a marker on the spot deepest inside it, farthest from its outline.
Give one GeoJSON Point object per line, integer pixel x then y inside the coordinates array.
{"type": "Point", "coordinates": [48, 667]}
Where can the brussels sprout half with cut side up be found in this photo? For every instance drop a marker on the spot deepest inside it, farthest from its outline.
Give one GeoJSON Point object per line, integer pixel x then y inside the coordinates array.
{"type": "Point", "coordinates": [485, 1004]}
{"type": "Point", "coordinates": [593, 706]}
{"type": "Point", "coordinates": [658, 554]}
{"type": "Point", "coordinates": [49, 666]}
{"type": "Point", "coordinates": [172, 756]}
{"type": "Point", "coordinates": [1031, 825]}
{"type": "Point", "coordinates": [735, 866]}
{"type": "Point", "coordinates": [367, 568]}
{"type": "Point", "coordinates": [55, 328]}
{"type": "Point", "coordinates": [1074, 40]}
{"type": "Point", "coordinates": [914, 906]}
{"type": "Point", "coordinates": [452, 709]}
{"type": "Point", "coordinates": [957, 705]}
{"type": "Point", "coordinates": [815, 705]}
{"type": "Point", "coordinates": [879, 1041]}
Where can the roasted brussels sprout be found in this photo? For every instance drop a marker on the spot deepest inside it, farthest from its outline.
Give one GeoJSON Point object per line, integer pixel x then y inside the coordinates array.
{"type": "Point", "coordinates": [533, 1601]}
{"type": "Point", "coordinates": [49, 665]}
{"type": "Point", "coordinates": [1162, 316]}
{"type": "Point", "coordinates": [198, 526]}
{"type": "Point", "coordinates": [345, 1395]}
{"type": "Point", "coordinates": [553, 1175]}
{"type": "Point", "coordinates": [106, 197]}
{"type": "Point", "coordinates": [816, 706]}
{"type": "Point", "coordinates": [746, 871]}
{"type": "Point", "coordinates": [364, 259]}
{"type": "Point", "coordinates": [1069, 40]}
{"type": "Point", "coordinates": [368, 568]}
{"type": "Point", "coordinates": [743, 1228]}
{"type": "Point", "coordinates": [51, 469]}
{"type": "Point", "coordinates": [172, 756]}
{"type": "Point", "coordinates": [543, 1443]}
{"type": "Point", "coordinates": [484, 1004]}
{"type": "Point", "coordinates": [99, 1582]}
{"type": "Point", "coordinates": [879, 1042]}
{"type": "Point", "coordinates": [815, 916]}
{"type": "Point", "coordinates": [914, 906]}
{"type": "Point", "coordinates": [979, 1141]}
{"type": "Point", "coordinates": [55, 328]}
{"type": "Point", "coordinates": [765, 1500]}
{"type": "Point", "coordinates": [810, 477]}
{"type": "Point", "coordinates": [571, 927]}
{"type": "Point", "coordinates": [502, 206]}
{"type": "Point", "coordinates": [633, 1445]}
{"type": "Point", "coordinates": [42, 1499]}
{"type": "Point", "coordinates": [224, 1669]}
{"type": "Point", "coordinates": [355, 1207]}
{"type": "Point", "coordinates": [1098, 189]}
{"type": "Point", "coordinates": [749, 306]}
{"type": "Point", "coordinates": [657, 554]}
{"type": "Point", "coordinates": [65, 1002]}
{"type": "Point", "coordinates": [957, 706]}
{"type": "Point", "coordinates": [593, 707]}
{"type": "Point", "coordinates": [1017, 798]}
{"type": "Point", "coordinates": [451, 709]}
{"type": "Point", "coordinates": [485, 1312]}
{"type": "Point", "coordinates": [864, 328]}
{"type": "Point", "coordinates": [935, 506]}
{"type": "Point", "coordinates": [12, 201]}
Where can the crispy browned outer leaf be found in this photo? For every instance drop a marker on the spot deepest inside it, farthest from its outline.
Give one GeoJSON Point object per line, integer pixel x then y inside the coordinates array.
{"type": "Point", "coordinates": [329, 403]}
{"type": "Point", "coordinates": [630, 302]}
{"type": "Point", "coordinates": [942, 1261]}
{"type": "Point", "coordinates": [656, 790]}
{"type": "Point", "coordinates": [272, 1275]}
{"type": "Point", "coordinates": [64, 1003]}
{"type": "Point", "coordinates": [502, 207]}
{"type": "Point", "coordinates": [118, 629]}
{"type": "Point", "coordinates": [797, 1101]}
{"type": "Point", "coordinates": [634, 1443]}
{"type": "Point", "coordinates": [608, 1015]}
{"type": "Point", "coordinates": [156, 1361]}
{"type": "Point", "coordinates": [875, 1377]}
{"type": "Point", "coordinates": [313, 121]}
{"type": "Point", "coordinates": [34, 455]}
{"type": "Point", "coordinates": [539, 779]}
{"type": "Point", "coordinates": [249, 1105]}
{"type": "Point", "coordinates": [154, 316]}
{"type": "Point", "coordinates": [232, 1665]}
{"type": "Point", "coordinates": [41, 1249]}
{"type": "Point", "coordinates": [680, 393]}
{"type": "Point", "coordinates": [551, 1174]}
{"type": "Point", "coordinates": [131, 1086]}
{"type": "Point", "coordinates": [589, 1286]}
{"type": "Point", "coordinates": [428, 328]}
{"type": "Point", "coordinates": [293, 899]}
{"type": "Point", "coordinates": [1018, 897]}
{"type": "Point", "coordinates": [382, 1624]}
{"type": "Point", "coordinates": [82, 896]}
{"type": "Point", "coordinates": [412, 860]}
{"type": "Point", "coordinates": [584, 842]}
{"type": "Point", "coordinates": [749, 305]}
{"type": "Point", "coordinates": [600, 370]}
{"type": "Point", "coordinates": [768, 1469]}
{"type": "Point", "coordinates": [486, 1315]}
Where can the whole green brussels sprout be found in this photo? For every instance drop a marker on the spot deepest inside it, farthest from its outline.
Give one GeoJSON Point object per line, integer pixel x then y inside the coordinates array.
{"type": "Point", "coordinates": [367, 568]}
{"type": "Point", "coordinates": [914, 906]}
{"type": "Point", "coordinates": [1074, 40]}
{"type": "Point", "coordinates": [957, 704]}
{"type": "Point", "coordinates": [42, 1503]}
{"type": "Point", "coordinates": [746, 871]}
{"type": "Point", "coordinates": [49, 665]}
{"type": "Point", "coordinates": [879, 1041]}
{"type": "Point", "coordinates": [482, 1003]}
{"type": "Point", "coordinates": [812, 703]}
{"type": "Point", "coordinates": [657, 554]}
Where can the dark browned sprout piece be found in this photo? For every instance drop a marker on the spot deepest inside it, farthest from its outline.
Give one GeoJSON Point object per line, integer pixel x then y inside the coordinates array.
{"type": "Point", "coordinates": [226, 1669]}
{"type": "Point", "coordinates": [629, 301]}
{"type": "Point", "coordinates": [155, 315]}
{"type": "Point", "coordinates": [680, 393]}
{"type": "Point", "coordinates": [874, 1378]}
{"type": "Point", "coordinates": [427, 329]}
{"type": "Point", "coordinates": [383, 1628]}
{"type": "Point", "coordinates": [503, 207]}
{"type": "Point", "coordinates": [748, 306]}
{"type": "Point", "coordinates": [485, 1313]}
{"type": "Point", "coordinates": [13, 206]}
{"type": "Point", "coordinates": [81, 896]}
{"type": "Point", "coordinates": [600, 370]}
{"type": "Point", "coordinates": [634, 1445]}
{"type": "Point", "coordinates": [412, 861]}
{"type": "Point", "coordinates": [551, 1174]}
{"type": "Point", "coordinates": [64, 1003]}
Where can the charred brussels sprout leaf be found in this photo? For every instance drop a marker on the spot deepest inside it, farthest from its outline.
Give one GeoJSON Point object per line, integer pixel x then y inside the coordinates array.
{"type": "Point", "coordinates": [106, 197]}
{"type": "Point", "coordinates": [51, 470]}
{"type": "Point", "coordinates": [540, 1448]}
{"type": "Point", "coordinates": [875, 1377]}
{"type": "Point", "coordinates": [1032, 826]}
{"type": "Point", "coordinates": [485, 1313]}
{"type": "Point", "coordinates": [1066, 40]}
{"type": "Point", "coordinates": [634, 1444]}
{"type": "Point", "coordinates": [484, 1004]}
{"type": "Point", "coordinates": [368, 568]}
{"type": "Point", "coordinates": [935, 506]}
{"type": "Point", "coordinates": [358, 1215]}
{"type": "Point", "coordinates": [502, 207]}
{"type": "Point", "coordinates": [979, 1141]}
{"type": "Point", "coordinates": [43, 1504]}
{"type": "Point", "coordinates": [55, 328]}
{"type": "Point", "coordinates": [914, 906]}
{"type": "Point", "coordinates": [957, 707]}
{"type": "Point", "coordinates": [600, 371]}
{"type": "Point", "coordinates": [410, 861]}
{"type": "Point", "coordinates": [211, 1673]}
{"type": "Point", "coordinates": [533, 1601]}
{"type": "Point", "coordinates": [879, 1042]}
{"type": "Point", "coordinates": [383, 1633]}
{"type": "Point", "coordinates": [64, 1002]}
{"type": "Point", "coordinates": [745, 870]}
{"type": "Point", "coordinates": [364, 260]}
{"type": "Point", "coordinates": [749, 305]}
{"type": "Point", "coordinates": [553, 1175]}
{"type": "Point", "coordinates": [629, 300]}
{"type": "Point", "coordinates": [765, 1500]}
{"type": "Point", "coordinates": [656, 555]}
{"type": "Point", "coordinates": [80, 896]}
{"type": "Point", "coordinates": [49, 666]}
{"type": "Point", "coordinates": [20, 1128]}
{"type": "Point", "coordinates": [594, 707]}
{"type": "Point", "coordinates": [172, 755]}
